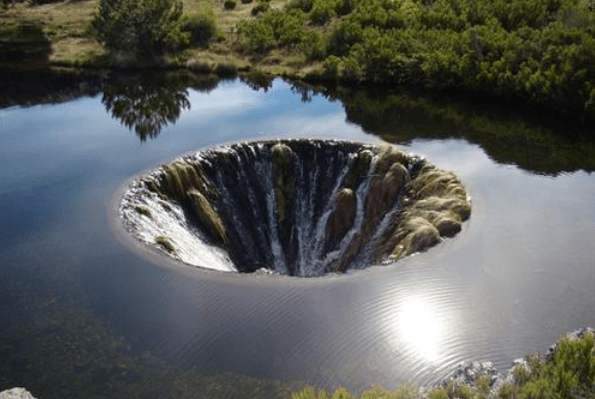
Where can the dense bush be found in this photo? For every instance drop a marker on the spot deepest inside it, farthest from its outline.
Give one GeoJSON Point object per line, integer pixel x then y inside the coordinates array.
{"type": "Point", "coordinates": [540, 51]}
{"type": "Point", "coordinates": [139, 28]}
{"type": "Point", "coordinates": [304, 5]}
{"type": "Point", "coordinates": [322, 12]}
{"type": "Point", "coordinates": [201, 27]}
{"type": "Point", "coordinates": [260, 9]}
{"type": "Point", "coordinates": [569, 373]}
{"type": "Point", "coordinates": [274, 29]}
{"type": "Point", "coordinates": [229, 4]}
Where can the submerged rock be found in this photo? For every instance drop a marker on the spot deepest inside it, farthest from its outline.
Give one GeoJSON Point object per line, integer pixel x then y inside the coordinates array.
{"type": "Point", "coordinates": [298, 207]}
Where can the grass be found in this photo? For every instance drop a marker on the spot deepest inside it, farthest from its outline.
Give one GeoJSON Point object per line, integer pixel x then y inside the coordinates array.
{"type": "Point", "coordinates": [66, 25]}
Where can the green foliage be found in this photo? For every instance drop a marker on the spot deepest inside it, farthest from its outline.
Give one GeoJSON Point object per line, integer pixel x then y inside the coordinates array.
{"type": "Point", "coordinates": [139, 28]}
{"type": "Point", "coordinates": [331, 66]}
{"type": "Point", "coordinates": [309, 393]}
{"type": "Point", "coordinates": [343, 36]}
{"type": "Point", "coordinates": [405, 391]}
{"type": "Point", "coordinates": [201, 27]}
{"type": "Point", "coordinates": [303, 5]}
{"type": "Point", "coordinates": [274, 29]}
{"type": "Point", "coordinates": [570, 372]}
{"type": "Point", "coordinates": [258, 37]}
{"type": "Point", "coordinates": [322, 12]}
{"type": "Point", "coordinates": [539, 51]}
{"type": "Point", "coordinates": [246, 1]}
{"type": "Point", "coordinates": [483, 386]}
{"type": "Point", "coordinates": [438, 393]}
{"type": "Point", "coordinates": [229, 4]}
{"type": "Point", "coordinates": [260, 8]}
{"type": "Point", "coordinates": [344, 7]}
{"type": "Point", "coordinates": [341, 393]}
{"type": "Point", "coordinates": [313, 45]}
{"type": "Point", "coordinates": [507, 391]}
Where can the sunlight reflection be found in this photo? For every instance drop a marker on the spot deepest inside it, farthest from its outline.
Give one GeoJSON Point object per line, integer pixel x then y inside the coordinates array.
{"type": "Point", "coordinates": [421, 329]}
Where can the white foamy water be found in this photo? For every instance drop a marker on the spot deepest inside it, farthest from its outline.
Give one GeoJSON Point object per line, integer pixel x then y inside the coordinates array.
{"type": "Point", "coordinates": [167, 219]}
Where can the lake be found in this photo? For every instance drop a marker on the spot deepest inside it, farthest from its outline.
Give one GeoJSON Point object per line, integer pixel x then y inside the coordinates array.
{"type": "Point", "coordinates": [85, 313]}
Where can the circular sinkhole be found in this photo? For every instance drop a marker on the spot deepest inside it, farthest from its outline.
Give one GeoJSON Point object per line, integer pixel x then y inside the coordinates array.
{"type": "Point", "coordinates": [294, 207]}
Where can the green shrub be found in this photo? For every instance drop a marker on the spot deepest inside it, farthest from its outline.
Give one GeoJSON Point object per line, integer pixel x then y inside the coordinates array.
{"type": "Point", "coordinates": [344, 7]}
{"type": "Point", "coordinates": [139, 28]}
{"type": "Point", "coordinates": [507, 391]}
{"type": "Point", "coordinates": [343, 36]}
{"type": "Point", "coordinates": [258, 37]}
{"type": "Point", "coordinates": [303, 5]}
{"type": "Point", "coordinates": [483, 385]}
{"type": "Point", "coordinates": [274, 29]}
{"type": "Point", "coordinates": [246, 1]}
{"type": "Point", "coordinates": [309, 393]}
{"type": "Point", "coordinates": [229, 4]}
{"type": "Point", "coordinates": [331, 66]}
{"type": "Point", "coordinates": [341, 393]}
{"type": "Point", "coordinates": [438, 393]}
{"type": "Point", "coordinates": [260, 9]}
{"type": "Point", "coordinates": [313, 45]}
{"type": "Point", "coordinates": [322, 12]}
{"type": "Point", "coordinates": [569, 373]}
{"type": "Point", "coordinates": [202, 27]}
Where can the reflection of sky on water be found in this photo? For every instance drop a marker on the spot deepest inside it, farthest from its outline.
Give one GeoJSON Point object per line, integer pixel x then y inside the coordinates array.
{"type": "Point", "coordinates": [519, 274]}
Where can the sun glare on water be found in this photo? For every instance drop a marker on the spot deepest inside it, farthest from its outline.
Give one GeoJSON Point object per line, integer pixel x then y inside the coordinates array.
{"type": "Point", "coordinates": [420, 328]}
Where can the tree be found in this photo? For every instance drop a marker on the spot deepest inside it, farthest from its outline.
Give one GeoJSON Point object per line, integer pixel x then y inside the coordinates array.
{"type": "Point", "coordinates": [139, 28]}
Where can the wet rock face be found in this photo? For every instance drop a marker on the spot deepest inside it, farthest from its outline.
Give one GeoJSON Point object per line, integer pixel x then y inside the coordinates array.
{"type": "Point", "coordinates": [296, 207]}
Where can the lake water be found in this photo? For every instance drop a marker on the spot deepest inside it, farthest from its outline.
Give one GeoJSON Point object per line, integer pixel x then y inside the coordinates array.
{"type": "Point", "coordinates": [85, 314]}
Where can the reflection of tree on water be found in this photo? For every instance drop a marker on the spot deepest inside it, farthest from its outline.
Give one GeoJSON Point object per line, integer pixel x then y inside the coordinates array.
{"type": "Point", "coordinates": [535, 140]}
{"type": "Point", "coordinates": [257, 80]}
{"type": "Point", "coordinates": [146, 103]}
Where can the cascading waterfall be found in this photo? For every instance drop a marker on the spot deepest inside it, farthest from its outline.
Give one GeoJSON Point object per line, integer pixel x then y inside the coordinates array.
{"type": "Point", "coordinates": [295, 207]}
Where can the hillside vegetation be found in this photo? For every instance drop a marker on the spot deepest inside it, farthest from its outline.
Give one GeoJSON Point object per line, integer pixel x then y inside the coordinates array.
{"type": "Point", "coordinates": [539, 51]}
{"type": "Point", "coordinates": [542, 51]}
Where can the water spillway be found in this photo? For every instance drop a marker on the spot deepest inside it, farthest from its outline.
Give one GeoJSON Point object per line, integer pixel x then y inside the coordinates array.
{"type": "Point", "coordinates": [295, 207]}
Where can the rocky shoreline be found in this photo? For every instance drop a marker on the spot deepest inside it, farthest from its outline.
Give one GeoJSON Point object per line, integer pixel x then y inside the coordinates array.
{"type": "Point", "coordinates": [468, 372]}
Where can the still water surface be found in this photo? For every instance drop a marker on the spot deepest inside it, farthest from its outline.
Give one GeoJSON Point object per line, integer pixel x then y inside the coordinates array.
{"type": "Point", "coordinates": [84, 315]}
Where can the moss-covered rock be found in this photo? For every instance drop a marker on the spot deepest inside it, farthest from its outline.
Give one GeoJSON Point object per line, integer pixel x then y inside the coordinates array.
{"type": "Point", "coordinates": [342, 217]}
{"type": "Point", "coordinates": [143, 210]}
{"type": "Point", "coordinates": [281, 158]}
{"type": "Point", "coordinates": [166, 244]}
{"type": "Point", "coordinates": [387, 157]}
{"type": "Point", "coordinates": [417, 234]}
{"type": "Point", "coordinates": [281, 155]}
{"type": "Point", "coordinates": [359, 169]}
{"type": "Point", "coordinates": [207, 215]}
